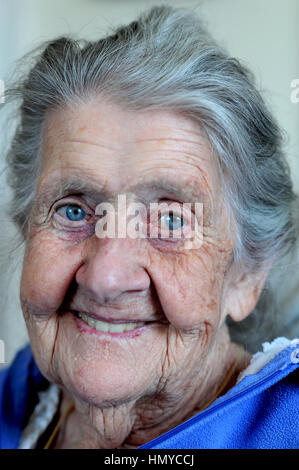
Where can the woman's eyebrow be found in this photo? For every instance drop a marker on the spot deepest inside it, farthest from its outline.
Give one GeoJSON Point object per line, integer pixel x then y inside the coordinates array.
{"type": "Point", "coordinates": [172, 188]}
{"type": "Point", "coordinates": [55, 189]}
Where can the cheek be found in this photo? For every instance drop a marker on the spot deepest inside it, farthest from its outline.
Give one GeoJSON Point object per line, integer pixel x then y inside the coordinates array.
{"type": "Point", "coordinates": [189, 287]}
{"type": "Point", "coordinates": [48, 269]}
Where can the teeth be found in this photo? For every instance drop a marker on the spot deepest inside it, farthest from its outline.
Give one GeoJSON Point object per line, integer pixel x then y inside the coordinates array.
{"type": "Point", "coordinates": [109, 327]}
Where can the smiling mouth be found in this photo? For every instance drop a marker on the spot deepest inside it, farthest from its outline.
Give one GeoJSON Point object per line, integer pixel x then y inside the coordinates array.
{"type": "Point", "coordinates": [110, 327]}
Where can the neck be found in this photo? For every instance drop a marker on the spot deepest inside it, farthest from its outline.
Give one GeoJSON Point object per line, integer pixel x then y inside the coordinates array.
{"type": "Point", "coordinates": [131, 424]}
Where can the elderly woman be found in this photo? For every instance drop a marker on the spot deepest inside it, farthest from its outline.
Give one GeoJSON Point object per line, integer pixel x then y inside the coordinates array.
{"type": "Point", "coordinates": [129, 343]}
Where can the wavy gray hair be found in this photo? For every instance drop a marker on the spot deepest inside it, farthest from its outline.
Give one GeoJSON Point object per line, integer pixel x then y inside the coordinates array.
{"type": "Point", "coordinates": [166, 60]}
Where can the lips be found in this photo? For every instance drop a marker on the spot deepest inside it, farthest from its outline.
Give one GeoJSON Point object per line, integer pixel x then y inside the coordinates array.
{"type": "Point", "coordinates": [109, 327]}
{"type": "Point", "coordinates": [93, 323]}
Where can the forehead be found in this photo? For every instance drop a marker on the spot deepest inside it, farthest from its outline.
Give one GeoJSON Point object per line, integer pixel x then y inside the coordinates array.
{"type": "Point", "coordinates": [112, 121]}
{"type": "Point", "coordinates": [119, 149]}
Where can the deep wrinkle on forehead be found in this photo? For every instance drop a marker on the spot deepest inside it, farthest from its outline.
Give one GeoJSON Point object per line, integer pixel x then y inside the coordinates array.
{"type": "Point", "coordinates": [83, 126]}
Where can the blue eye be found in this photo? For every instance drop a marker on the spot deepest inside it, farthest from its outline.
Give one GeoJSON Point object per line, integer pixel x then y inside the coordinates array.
{"type": "Point", "coordinates": [74, 213]}
{"type": "Point", "coordinates": [174, 222]}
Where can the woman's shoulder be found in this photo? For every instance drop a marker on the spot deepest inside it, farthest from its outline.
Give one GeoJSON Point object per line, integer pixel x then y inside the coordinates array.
{"type": "Point", "coordinates": [19, 370]}
{"type": "Point", "coordinates": [260, 411]}
{"type": "Point", "coordinates": [19, 385]}
{"type": "Point", "coordinates": [275, 354]}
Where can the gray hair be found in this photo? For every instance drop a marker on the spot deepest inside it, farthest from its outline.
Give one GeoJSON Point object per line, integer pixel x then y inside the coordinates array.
{"type": "Point", "coordinates": [166, 60]}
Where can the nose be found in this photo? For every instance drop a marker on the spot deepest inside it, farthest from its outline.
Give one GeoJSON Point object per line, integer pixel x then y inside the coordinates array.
{"type": "Point", "coordinates": [112, 267]}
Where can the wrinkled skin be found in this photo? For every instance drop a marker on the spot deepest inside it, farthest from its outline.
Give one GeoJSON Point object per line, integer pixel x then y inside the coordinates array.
{"type": "Point", "coordinates": [128, 390]}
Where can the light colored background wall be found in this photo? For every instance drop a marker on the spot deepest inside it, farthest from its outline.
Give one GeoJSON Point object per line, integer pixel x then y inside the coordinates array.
{"type": "Point", "coordinates": [263, 33]}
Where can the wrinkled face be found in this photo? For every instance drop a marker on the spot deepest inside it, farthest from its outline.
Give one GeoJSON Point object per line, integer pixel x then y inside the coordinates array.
{"type": "Point", "coordinates": [109, 318]}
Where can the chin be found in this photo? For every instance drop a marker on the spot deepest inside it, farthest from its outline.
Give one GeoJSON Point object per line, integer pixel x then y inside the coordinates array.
{"type": "Point", "coordinates": [99, 369]}
{"type": "Point", "coordinates": [105, 384]}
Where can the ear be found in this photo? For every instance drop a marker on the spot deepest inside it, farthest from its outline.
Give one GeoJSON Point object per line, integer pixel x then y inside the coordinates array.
{"type": "Point", "coordinates": [242, 295]}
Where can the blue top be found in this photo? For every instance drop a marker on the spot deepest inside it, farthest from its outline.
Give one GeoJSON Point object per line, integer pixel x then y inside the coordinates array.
{"type": "Point", "coordinates": [260, 412]}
